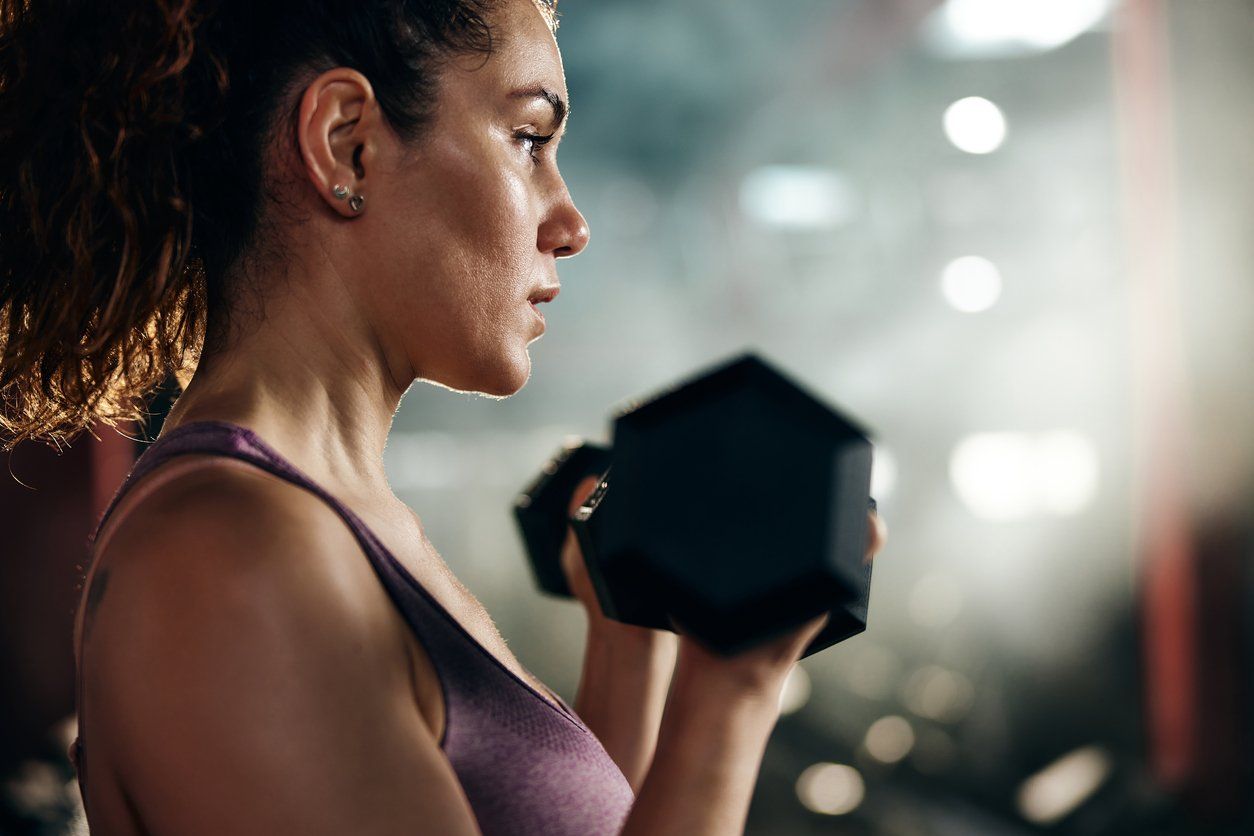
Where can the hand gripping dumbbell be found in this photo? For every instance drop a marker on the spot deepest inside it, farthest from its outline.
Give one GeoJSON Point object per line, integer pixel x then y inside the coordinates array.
{"type": "Point", "coordinates": [540, 509]}
{"type": "Point", "coordinates": [733, 504]}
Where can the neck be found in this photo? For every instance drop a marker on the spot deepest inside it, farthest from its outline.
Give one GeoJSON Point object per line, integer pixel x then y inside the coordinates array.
{"type": "Point", "coordinates": [314, 386]}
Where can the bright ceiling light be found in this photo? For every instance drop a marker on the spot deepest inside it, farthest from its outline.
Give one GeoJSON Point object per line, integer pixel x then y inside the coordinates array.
{"type": "Point", "coordinates": [1013, 475]}
{"type": "Point", "coordinates": [992, 474]}
{"type": "Point", "coordinates": [975, 125]}
{"type": "Point", "coordinates": [1001, 28]}
{"type": "Point", "coordinates": [971, 284]}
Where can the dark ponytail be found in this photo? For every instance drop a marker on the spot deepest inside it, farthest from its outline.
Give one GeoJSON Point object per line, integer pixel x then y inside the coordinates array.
{"type": "Point", "coordinates": [132, 181]}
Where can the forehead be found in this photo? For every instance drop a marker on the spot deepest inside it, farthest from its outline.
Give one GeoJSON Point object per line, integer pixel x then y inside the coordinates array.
{"type": "Point", "coordinates": [524, 52]}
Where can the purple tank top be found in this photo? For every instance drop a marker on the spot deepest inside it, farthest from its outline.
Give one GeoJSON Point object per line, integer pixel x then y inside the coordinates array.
{"type": "Point", "coordinates": [527, 765]}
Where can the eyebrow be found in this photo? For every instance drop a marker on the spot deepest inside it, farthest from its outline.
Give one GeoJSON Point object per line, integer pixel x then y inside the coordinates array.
{"type": "Point", "coordinates": [555, 101]}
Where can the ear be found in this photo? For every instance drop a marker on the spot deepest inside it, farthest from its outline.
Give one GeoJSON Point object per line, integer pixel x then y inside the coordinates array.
{"type": "Point", "coordinates": [338, 133]}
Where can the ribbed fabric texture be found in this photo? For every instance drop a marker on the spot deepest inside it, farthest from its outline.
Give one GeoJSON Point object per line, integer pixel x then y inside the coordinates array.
{"type": "Point", "coordinates": [527, 765]}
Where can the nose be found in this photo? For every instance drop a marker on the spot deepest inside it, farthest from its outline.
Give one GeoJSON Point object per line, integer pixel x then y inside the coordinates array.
{"type": "Point", "coordinates": [565, 231]}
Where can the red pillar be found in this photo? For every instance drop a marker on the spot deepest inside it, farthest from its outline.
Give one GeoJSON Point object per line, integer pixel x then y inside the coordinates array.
{"type": "Point", "coordinates": [1188, 574]}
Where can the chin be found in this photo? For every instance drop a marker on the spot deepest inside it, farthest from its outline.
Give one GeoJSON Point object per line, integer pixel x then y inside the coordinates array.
{"type": "Point", "coordinates": [512, 379]}
{"type": "Point", "coordinates": [500, 381]}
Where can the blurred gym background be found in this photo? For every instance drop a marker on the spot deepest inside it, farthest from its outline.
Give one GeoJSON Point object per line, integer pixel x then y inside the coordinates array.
{"type": "Point", "coordinates": [1012, 236]}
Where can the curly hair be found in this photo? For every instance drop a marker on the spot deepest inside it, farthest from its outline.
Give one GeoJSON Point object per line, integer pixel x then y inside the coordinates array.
{"type": "Point", "coordinates": [132, 140]}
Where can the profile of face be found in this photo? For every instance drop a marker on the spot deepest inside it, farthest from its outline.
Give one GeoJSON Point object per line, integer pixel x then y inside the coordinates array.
{"type": "Point", "coordinates": [462, 227]}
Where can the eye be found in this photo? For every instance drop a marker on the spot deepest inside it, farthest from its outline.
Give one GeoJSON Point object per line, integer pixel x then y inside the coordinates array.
{"type": "Point", "coordinates": [533, 142]}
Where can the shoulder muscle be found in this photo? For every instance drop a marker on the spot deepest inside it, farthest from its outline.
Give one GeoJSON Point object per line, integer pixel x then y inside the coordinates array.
{"type": "Point", "coordinates": [245, 679]}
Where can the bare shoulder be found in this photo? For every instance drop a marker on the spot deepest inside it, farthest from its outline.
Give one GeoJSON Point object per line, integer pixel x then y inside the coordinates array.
{"type": "Point", "coordinates": [232, 538]}
{"type": "Point", "coordinates": [226, 503]}
{"type": "Point", "coordinates": [240, 648]}
{"type": "Point", "coordinates": [220, 532]}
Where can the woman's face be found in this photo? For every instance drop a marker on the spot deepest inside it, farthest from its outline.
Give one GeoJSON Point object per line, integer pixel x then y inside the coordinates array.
{"type": "Point", "coordinates": [470, 221]}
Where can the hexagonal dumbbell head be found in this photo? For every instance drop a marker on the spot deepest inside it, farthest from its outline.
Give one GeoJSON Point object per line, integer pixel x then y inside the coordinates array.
{"type": "Point", "coordinates": [737, 505]}
{"type": "Point", "coordinates": [541, 509]}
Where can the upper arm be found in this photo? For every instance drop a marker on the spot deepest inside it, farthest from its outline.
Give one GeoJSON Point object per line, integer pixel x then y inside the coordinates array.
{"type": "Point", "coordinates": [244, 678]}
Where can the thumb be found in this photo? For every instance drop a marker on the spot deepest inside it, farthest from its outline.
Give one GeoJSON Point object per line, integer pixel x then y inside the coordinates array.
{"type": "Point", "coordinates": [582, 491]}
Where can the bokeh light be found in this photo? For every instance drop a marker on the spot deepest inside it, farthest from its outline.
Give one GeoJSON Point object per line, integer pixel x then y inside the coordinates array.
{"type": "Point", "coordinates": [997, 28]}
{"type": "Point", "coordinates": [975, 125]}
{"type": "Point", "coordinates": [937, 693]}
{"type": "Point", "coordinates": [889, 739]}
{"type": "Point", "coordinates": [971, 283]}
{"type": "Point", "coordinates": [798, 197]}
{"type": "Point", "coordinates": [1059, 788]}
{"type": "Point", "coordinates": [833, 789]}
{"type": "Point", "coordinates": [1014, 475]}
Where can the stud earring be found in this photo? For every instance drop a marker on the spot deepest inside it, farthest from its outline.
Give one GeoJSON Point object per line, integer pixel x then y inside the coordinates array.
{"type": "Point", "coordinates": [339, 191]}
{"type": "Point", "coordinates": [355, 202]}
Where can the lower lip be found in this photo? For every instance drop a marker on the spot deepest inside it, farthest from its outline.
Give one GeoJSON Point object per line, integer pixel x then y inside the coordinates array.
{"type": "Point", "coordinates": [535, 310]}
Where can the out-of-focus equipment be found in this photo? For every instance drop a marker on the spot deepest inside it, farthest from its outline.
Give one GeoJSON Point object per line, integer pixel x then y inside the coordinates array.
{"type": "Point", "coordinates": [732, 505]}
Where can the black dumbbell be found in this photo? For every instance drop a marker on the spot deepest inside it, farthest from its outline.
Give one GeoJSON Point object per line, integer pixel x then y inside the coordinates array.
{"type": "Point", "coordinates": [736, 506]}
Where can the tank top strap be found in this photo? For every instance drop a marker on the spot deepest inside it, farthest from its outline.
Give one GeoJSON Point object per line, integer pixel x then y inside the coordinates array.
{"type": "Point", "coordinates": [215, 438]}
{"type": "Point", "coordinates": [222, 438]}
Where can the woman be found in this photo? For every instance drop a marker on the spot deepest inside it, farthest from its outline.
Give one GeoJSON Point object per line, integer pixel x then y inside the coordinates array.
{"type": "Point", "coordinates": [314, 205]}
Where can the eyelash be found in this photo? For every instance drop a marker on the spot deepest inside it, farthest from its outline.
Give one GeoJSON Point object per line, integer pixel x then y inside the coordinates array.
{"type": "Point", "coordinates": [536, 140]}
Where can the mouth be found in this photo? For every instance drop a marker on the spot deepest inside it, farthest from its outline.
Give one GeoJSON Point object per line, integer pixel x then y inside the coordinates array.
{"type": "Point", "coordinates": [539, 297]}
{"type": "Point", "coordinates": [544, 294]}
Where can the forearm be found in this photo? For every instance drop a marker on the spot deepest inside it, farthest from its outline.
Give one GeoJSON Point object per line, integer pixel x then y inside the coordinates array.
{"type": "Point", "coordinates": [622, 692]}
{"type": "Point", "coordinates": [708, 756]}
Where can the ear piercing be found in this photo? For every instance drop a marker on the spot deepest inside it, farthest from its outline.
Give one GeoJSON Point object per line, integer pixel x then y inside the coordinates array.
{"type": "Point", "coordinates": [355, 202]}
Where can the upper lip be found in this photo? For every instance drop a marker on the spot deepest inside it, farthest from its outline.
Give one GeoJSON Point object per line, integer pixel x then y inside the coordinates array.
{"type": "Point", "coordinates": [544, 294]}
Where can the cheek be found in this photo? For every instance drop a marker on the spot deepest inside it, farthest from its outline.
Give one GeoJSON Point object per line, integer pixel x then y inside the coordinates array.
{"type": "Point", "coordinates": [479, 189]}
{"type": "Point", "coordinates": [478, 211]}
{"type": "Point", "coordinates": [461, 249]}
{"type": "Point", "coordinates": [493, 234]}
{"type": "Point", "coordinates": [500, 216]}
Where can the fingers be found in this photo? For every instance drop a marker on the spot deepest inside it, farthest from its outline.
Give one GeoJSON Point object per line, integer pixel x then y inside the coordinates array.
{"type": "Point", "coordinates": [570, 545]}
{"type": "Point", "coordinates": [814, 627]}
{"type": "Point", "coordinates": [581, 492]}
{"type": "Point", "coordinates": [877, 534]}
